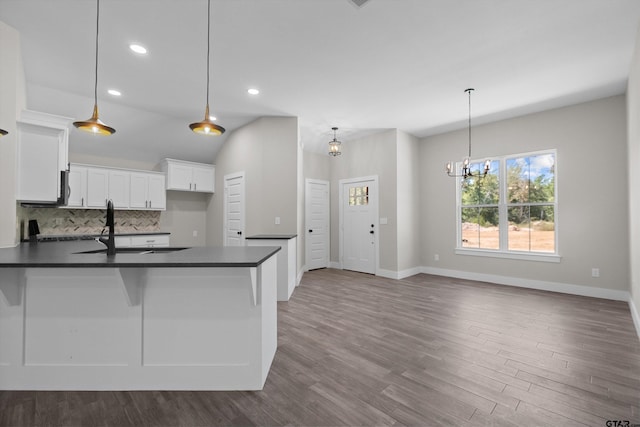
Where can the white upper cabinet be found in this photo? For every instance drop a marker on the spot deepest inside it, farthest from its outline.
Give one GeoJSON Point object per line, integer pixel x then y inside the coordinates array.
{"type": "Point", "coordinates": [147, 191]}
{"type": "Point", "coordinates": [119, 188]}
{"type": "Point", "coordinates": [42, 152]}
{"type": "Point", "coordinates": [77, 186]}
{"type": "Point", "coordinates": [189, 176]}
{"type": "Point", "coordinates": [97, 188]}
{"type": "Point", "coordinates": [91, 187]}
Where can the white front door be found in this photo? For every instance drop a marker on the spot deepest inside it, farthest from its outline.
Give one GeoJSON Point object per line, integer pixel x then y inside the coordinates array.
{"type": "Point", "coordinates": [317, 223]}
{"type": "Point", "coordinates": [233, 231]}
{"type": "Point", "coordinates": [358, 220]}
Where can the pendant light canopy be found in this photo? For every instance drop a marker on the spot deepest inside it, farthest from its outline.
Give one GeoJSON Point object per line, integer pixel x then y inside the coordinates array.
{"type": "Point", "coordinates": [94, 124]}
{"type": "Point", "coordinates": [466, 171]}
{"type": "Point", "coordinates": [207, 126]}
{"type": "Point", "coordinates": [3, 132]}
{"type": "Point", "coordinates": [334, 146]}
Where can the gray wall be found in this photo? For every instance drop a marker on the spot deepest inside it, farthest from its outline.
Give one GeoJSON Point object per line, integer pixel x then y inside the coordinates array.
{"type": "Point", "coordinates": [408, 194]}
{"type": "Point", "coordinates": [12, 101]}
{"type": "Point", "coordinates": [633, 156]}
{"type": "Point", "coordinates": [266, 151]}
{"type": "Point", "coordinates": [371, 155]}
{"type": "Point", "coordinates": [592, 229]}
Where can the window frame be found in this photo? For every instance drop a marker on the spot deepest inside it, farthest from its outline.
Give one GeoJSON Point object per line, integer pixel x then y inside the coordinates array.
{"type": "Point", "coordinates": [503, 207]}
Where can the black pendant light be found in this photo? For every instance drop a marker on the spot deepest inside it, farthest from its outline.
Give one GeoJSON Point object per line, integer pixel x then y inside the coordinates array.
{"type": "Point", "coordinates": [207, 126]}
{"type": "Point", "coordinates": [94, 124]}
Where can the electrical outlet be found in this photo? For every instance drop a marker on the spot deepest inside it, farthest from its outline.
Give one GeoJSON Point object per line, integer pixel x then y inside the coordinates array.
{"type": "Point", "coordinates": [277, 220]}
{"type": "Point", "coordinates": [436, 257]}
{"type": "Point", "coordinates": [595, 272]}
{"type": "Point", "coordinates": [195, 233]}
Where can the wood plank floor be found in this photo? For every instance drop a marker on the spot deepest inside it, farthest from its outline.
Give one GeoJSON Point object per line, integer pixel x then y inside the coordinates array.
{"type": "Point", "coordinates": [359, 350]}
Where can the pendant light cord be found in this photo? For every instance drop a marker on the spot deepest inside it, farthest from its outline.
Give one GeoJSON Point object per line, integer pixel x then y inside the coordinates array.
{"type": "Point", "coordinates": [469, 91]}
{"type": "Point", "coordinates": [208, 43]}
{"type": "Point", "coordinates": [95, 86]}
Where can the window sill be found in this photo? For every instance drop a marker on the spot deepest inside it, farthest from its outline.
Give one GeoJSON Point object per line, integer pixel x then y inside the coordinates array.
{"type": "Point", "coordinates": [526, 256]}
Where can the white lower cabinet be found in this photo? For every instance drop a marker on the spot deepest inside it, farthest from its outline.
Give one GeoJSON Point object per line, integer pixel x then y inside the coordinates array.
{"type": "Point", "coordinates": [143, 241]}
{"type": "Point", "coordinates": [150, 241]}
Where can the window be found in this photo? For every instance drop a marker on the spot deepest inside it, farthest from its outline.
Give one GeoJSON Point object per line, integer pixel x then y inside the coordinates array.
{"type": "Point", "coordinates": [512, 210]}
{"type": "Point", "coordinates": [358, 196]}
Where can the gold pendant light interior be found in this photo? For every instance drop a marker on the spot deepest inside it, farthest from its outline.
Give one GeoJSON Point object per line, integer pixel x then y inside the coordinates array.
{"type": "Point", "coordinates": [3, 132]}
{"type": "Point", "coordinates": [94, 124]}
{"type": "Point", "coordinates": [207, 126]}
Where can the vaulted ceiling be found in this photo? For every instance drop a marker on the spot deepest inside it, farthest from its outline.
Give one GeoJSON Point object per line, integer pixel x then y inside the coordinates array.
{"type": "Point", "coordinates": [385, 64]}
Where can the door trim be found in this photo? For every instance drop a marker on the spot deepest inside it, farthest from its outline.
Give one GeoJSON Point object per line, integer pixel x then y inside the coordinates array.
{"type": "Point", "coordinates": [224, 205]}
{"type": "Point", "coordinates": [376, 204]}
{"type": "Point", "coordinates": [308, 181]}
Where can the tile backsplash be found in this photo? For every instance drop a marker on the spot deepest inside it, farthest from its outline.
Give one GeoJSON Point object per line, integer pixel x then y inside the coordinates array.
{"type": "Point", "coordinates": [88, 221]}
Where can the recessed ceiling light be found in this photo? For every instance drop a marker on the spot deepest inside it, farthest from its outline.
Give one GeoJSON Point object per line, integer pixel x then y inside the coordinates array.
{"type": "Point", "coordinates": [138, 48]}
{"type": "Point", "coordinates": [114, 92]}
{"type": "Point", "coordinates": [253, 91]}
{"type": "Point", "coordinates": [213, 118]}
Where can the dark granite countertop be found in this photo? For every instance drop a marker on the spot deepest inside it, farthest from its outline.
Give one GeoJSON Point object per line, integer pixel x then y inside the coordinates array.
{"type": "Point", "coordinates": [272, 237]}
{"type": "Point", "coordinates": [65, 255]}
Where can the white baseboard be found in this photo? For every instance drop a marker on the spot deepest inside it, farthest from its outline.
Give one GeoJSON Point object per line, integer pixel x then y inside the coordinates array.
{"type": "Point", "coordinates": [634, 315]}
{"type": "Point", "coordinates": [398, 275]}
{"type": "Point", "coordinates": [566, 288]}
{"type": "Point", "coordinates": [300, 274]}
{"type": "Point", "coordinates": [333, 264]}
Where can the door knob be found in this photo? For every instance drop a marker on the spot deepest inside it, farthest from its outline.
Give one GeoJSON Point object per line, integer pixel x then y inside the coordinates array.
{"type": "Point", "coordinates": [239, 233]}
{"type": "Point", "coordinates": [310, 231]}
{"type": "Point", "coordinates": [371, 232]}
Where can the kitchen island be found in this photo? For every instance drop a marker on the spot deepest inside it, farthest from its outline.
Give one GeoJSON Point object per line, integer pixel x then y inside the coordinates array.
{"type": "Point", "coordinates": [161, 319]}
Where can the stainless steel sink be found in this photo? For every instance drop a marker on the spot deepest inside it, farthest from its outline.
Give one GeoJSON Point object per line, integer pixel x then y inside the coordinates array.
{"type": "Point", "coordinates": [136, 251]}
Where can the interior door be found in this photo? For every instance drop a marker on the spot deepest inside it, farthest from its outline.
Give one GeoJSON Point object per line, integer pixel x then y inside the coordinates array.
{"type": "Point", "coordinates": [317, 224]}
{"type": "Point", "coordinates": [233, 231]}
{"type": "Point", "coordinates": [359, 214]}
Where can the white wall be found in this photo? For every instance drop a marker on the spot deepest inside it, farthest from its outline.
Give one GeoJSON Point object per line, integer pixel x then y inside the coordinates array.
{"type": "Point", "coordinates": [633, 156]}
{"type": "Point", "coordinates": [266, 150]}
{"type": "Point", "coordinates": [590, 139]}
{"type": "Point", "coordinates": [12, 102]}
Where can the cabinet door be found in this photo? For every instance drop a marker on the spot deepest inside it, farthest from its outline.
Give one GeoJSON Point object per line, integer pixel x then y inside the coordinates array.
{"type": "Point", "coordinates": [203, 179]}
{"type": "Point", "coordinates": [179, 177]}
{"type": "Point", "coordinates": [138, 197]}
{"type": "Point", "coordinates": [119, 188]}
{"type": "Point", "coordinates": [78, 186]}
{"type": "Point", "coordinates": [39, 149]}
{"type": "Point", "coordinates": [97, 188]}
{"type": "Point", "coordinates": [156, 193]}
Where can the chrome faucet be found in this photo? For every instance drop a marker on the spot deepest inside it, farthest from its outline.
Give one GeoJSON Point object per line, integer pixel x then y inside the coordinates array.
{"type": "Point", "coordinates": [110, 241]}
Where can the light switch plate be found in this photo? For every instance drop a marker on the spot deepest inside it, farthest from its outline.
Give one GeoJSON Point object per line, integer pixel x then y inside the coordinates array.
{"type": "Point", "coordinates": [383, 221]}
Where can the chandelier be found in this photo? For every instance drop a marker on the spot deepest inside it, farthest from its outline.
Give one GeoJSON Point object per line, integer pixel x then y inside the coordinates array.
{"type": "Point", "coordinates": [466, 171]}
{"type": "Point", "coordinates": [334, 146]}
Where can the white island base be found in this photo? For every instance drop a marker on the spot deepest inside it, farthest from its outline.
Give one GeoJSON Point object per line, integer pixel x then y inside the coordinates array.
{"type": "Point", "coordinates": [186, 328]}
